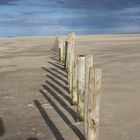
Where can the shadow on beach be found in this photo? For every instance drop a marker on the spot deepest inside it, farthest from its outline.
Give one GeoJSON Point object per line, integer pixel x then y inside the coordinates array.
{"type": "Point", "coordinates": [2, 130]}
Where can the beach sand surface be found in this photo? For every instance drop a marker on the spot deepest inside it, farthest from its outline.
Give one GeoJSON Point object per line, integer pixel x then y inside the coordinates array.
{"type": "Point", "coordinates": [119, 58]}
{"type": "Point", "coordinates": [26, 66]}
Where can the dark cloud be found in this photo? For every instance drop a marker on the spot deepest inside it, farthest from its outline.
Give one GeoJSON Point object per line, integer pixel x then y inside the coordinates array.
{"type": "Point", "coordinates": [83, 16]}
{"type": "Point", "coordinates": [36, 13]}
{"type": "Point", "coordinates": [85, 4]}
{"type": "Point", "coordinates": [96, 4]}
{"type": "Point", "coordinates": [60, 2]}
{"type": "Point", "coordinates": [89, 22]}
{"type": "Point", "coordinates": [7, 2]}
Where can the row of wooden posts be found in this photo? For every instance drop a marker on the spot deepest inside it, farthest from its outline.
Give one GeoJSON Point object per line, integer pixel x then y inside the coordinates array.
{"type": "Point", "coordinates": [84, 85]}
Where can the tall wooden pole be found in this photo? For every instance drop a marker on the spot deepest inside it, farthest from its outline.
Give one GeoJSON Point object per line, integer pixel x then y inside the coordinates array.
{"type": "Point", "coordinates": [71, 59]}
{"type": "Point", "coordinates": [89, 63]}
{"type": "Point", "coordinates": [61, 49]}
{"type": "Point", "coordinates": [66, 56]}
{"type": "Point", "coordinates": [81, 87]}
{"type": "Point", "coordinates": [74, 83]}
{"type": "Point", "coordinates": [94, 103]}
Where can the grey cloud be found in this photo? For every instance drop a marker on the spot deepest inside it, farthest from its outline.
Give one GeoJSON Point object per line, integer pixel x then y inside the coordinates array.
{"type": "Point", "coordinates": [7, 2]}
{"type": "Point", "coordinates": [96, 22]}
{"type": "Point", "coordinates": [60, 2]}
{"type": "Point", "coordinates": [87, 4]}
{"type": "Point", "coordinates": [106, 4]}
{"type": "Point", "coordinates": [96, 4]}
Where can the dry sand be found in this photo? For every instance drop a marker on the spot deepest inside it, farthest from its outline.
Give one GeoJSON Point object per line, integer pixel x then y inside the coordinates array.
{"type": "Point", "coordinates": [34, 102]}
{"type": "Point", "coordinates": [119, 58]}
{"type": "Point", "coordinates": [22, 76]}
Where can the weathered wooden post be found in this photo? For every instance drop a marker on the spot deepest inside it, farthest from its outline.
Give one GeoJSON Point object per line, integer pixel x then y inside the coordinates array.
{"type": "Point", "coordinates": [71, 59]}
{"type": "Point", "coordinates": [66, 56]}
{"type": "Point", "coordinates": [94, 103]}
{"type": "Point", "coordinates": [72, 54]}
{"type": "Point", "coordinates": [74, 83]}
{"type": "Point", "coordinates": [89, 63]}
{"type": "Point", "coordinates": [64, 49]}
{"type": "Point", "coordinates": [61, 49]}
{"type": "Point", "coordinates": [81, 87]}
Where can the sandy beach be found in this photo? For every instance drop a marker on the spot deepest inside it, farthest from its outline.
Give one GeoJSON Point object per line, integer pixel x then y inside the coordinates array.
{"type": "Point", "coordinates": [22, 76]}
{"type": "Point", "coordinates": [118, 56]}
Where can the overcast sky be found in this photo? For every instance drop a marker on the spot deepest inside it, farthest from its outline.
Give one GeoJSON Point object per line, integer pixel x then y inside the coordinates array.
{"type": "Point", "coordinates": [50, 17]}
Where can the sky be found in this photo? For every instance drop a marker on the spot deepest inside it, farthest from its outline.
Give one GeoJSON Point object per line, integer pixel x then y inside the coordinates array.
{"type": "Point", "coordinates": [52, 17]}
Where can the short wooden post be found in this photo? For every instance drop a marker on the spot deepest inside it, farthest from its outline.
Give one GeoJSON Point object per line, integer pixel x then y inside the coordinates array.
{"type": "Point", "coordinates": [69, 50]}
{"type": "Point", "coordinates": [64, 51]}
{"type": "Point", "coordinates": [61, 49]}
{"type": "Point", "coordinates": [74, 83]}
{"type": "Point", "coordinates": [59, 54]}
{"type": "Point", "coordinates": [70, 67]}
{"type": "Point", "coordinates": [89, 63]}
{"type": "Point", "coordinates": [71, 60]}
{"type": "Point", "coordinates": [71, 71]}
{"type": "Point", "coordinates": [94, 103]}
{"type": "Point", "coordinates": [66, 56]}
{"type": "Point", "coordinates": [81, 87]}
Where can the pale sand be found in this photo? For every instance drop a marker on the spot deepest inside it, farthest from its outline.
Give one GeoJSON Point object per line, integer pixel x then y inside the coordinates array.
{"type": "Point", "coordinates": [34, 102]}
{"type": "Point", "coordinates": [119, 58]}
{"type": "Point", "coordinates": [20, 79]}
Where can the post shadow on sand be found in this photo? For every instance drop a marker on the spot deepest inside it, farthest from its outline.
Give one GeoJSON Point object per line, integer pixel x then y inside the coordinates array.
{"type": "Point", "coordinates": [48, 121]}
{"type": "Point", "coordinates": [54, 54]}
{"type": "Point", "coordinates": [54, 58]}
{"type": "Point", "coordinates": [62, 74]}
{"type": "Point", "coordinates": [55, 75]}
{"type": "Point", "coordinates": [2, 130]}
{"type": "Point", "coordinates": [32, 138]}
{"type": "Point", "coordinates": [63, 104]}
{"type": "Point", "coordinates": [58, 66]}
{"type": "Point", "coordinates": [58, 83]}
{"type": "Point", "coordinates": [77, 132]}
{"type": "Point", "coordinates": [59, 91]}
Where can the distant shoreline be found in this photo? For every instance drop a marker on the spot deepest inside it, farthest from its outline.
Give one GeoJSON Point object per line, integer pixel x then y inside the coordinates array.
{"type": "Point", "coordinates": [44, 36]}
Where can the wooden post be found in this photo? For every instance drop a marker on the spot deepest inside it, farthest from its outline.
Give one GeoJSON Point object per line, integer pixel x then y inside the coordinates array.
{"type": "Point", "coordinates": [70, 67]}
{"type": "Point", "coordinates": [66, 56]}
{"type": "Point", "coordinates": [74, 83]}
{"type": "Point", "coordinates": [61, 49]}
{"type": "Point", "coordinates": [59, 54]}
{"type": "Point", "coordinates": [94, 103]}
{"type": "Point", "coordinates": [64, 50]}
{"type": "Point", "coordinates": [63, 42]}
{"type": "Point", "coordinates": [81, 87]}
{"type": "Point", "coordinates": [69, 51]}
{"type": "Point", "coordinates": [71, 60]}
{"type": "Point", "coordinates": [89, 63]}
{"type": "Point", "coordinates": [71, 64]}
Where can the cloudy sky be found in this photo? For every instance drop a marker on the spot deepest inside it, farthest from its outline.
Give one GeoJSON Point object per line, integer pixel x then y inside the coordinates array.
{"type": "Point", "coordinates": [50, 17]}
